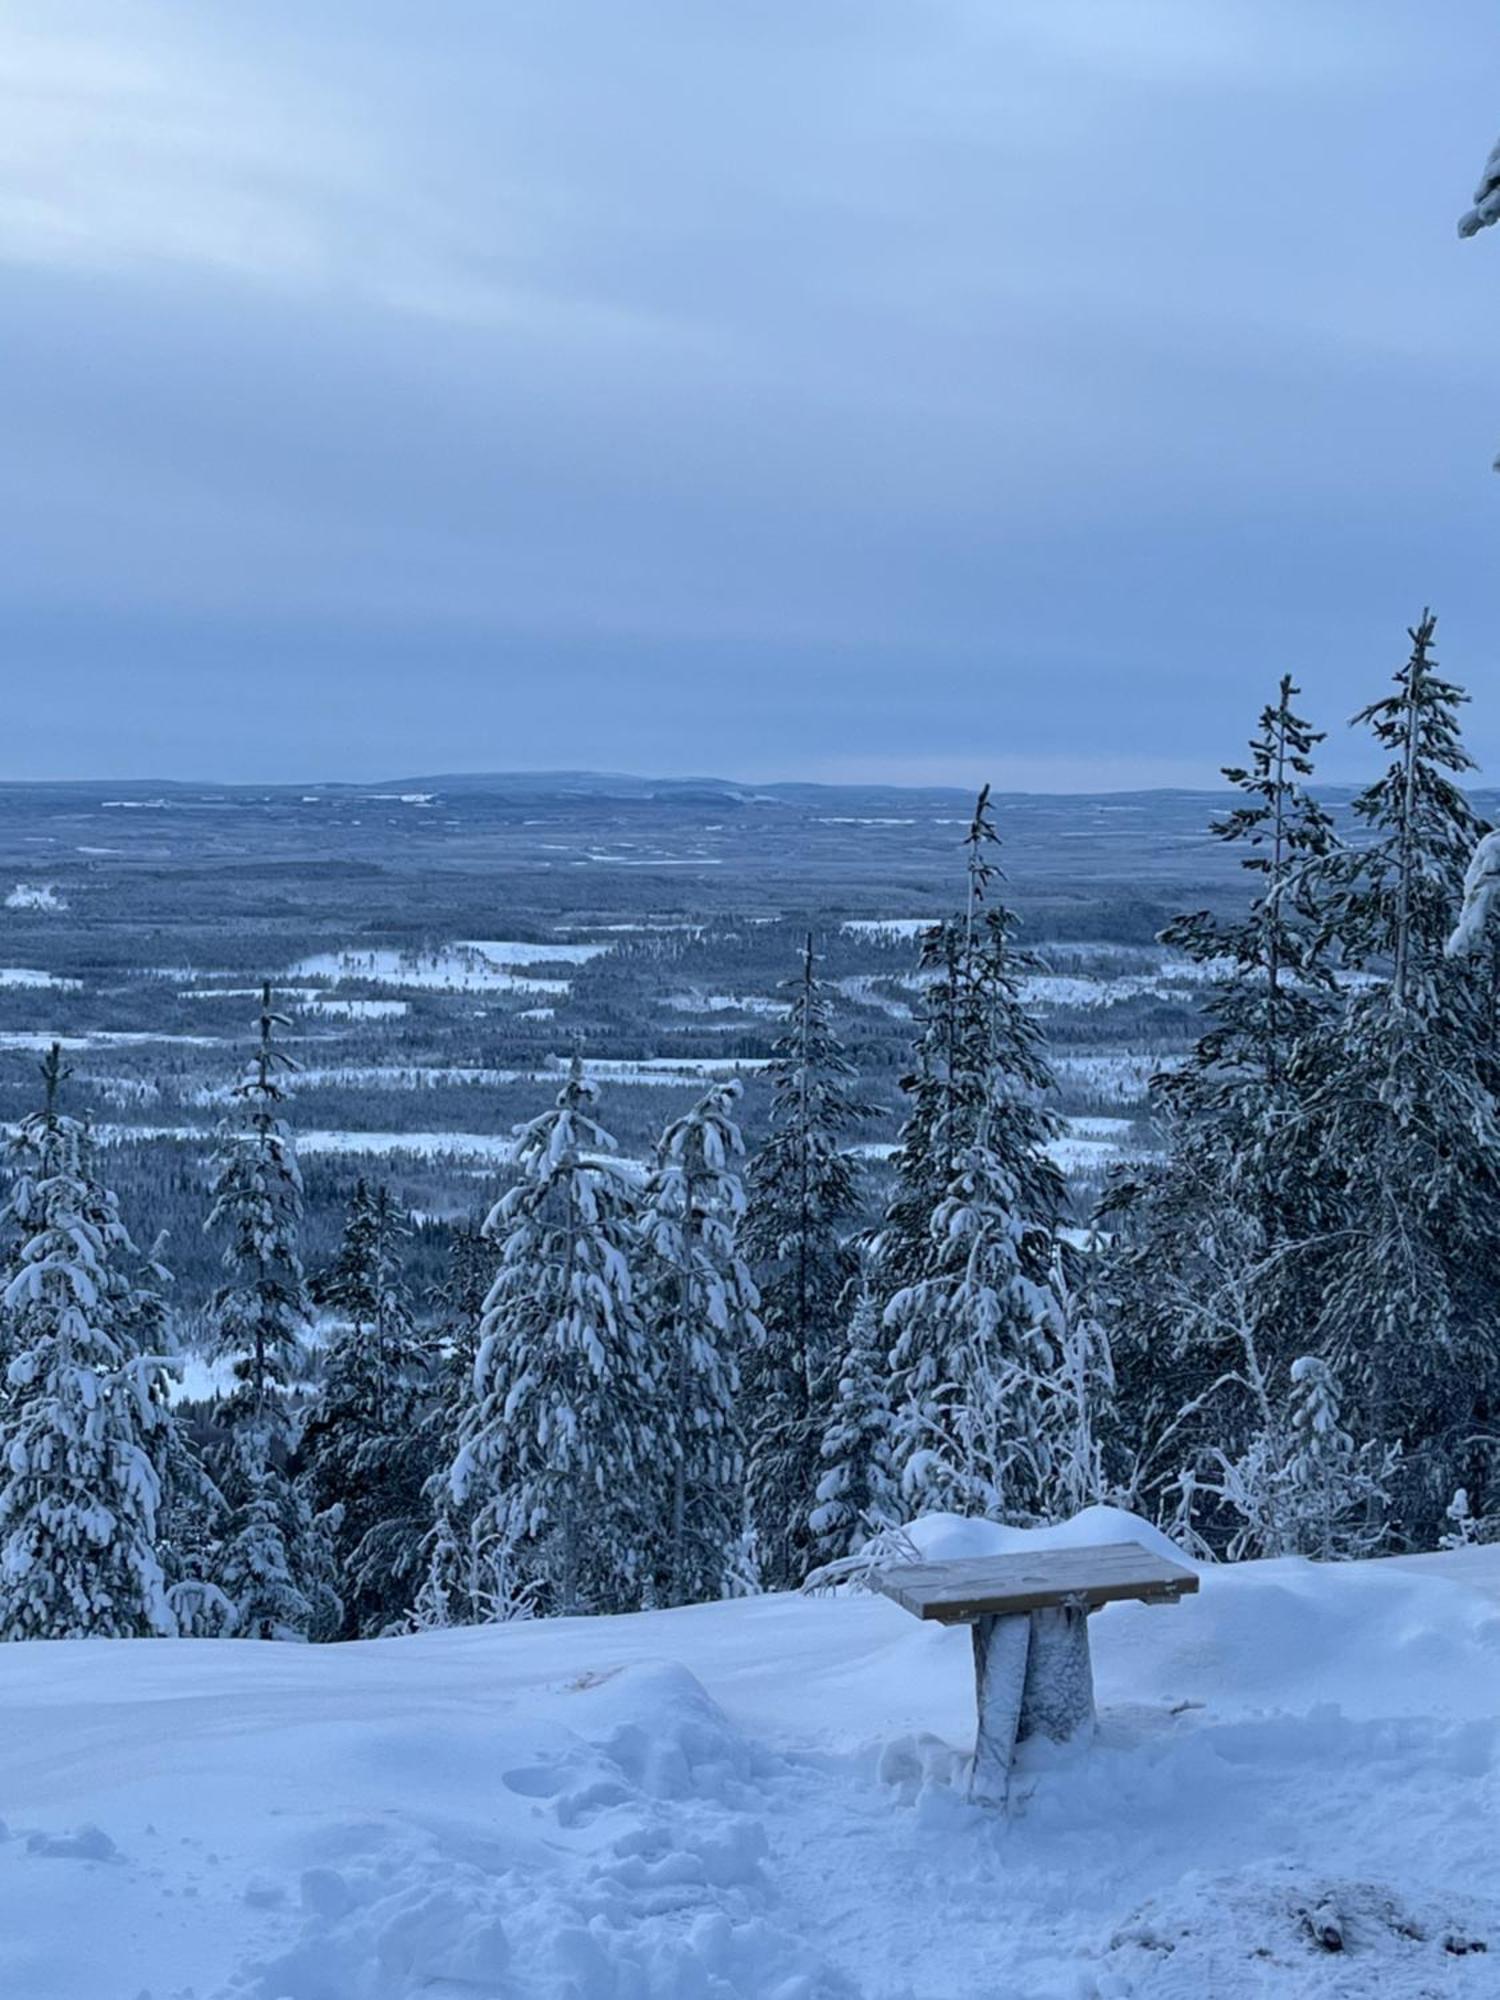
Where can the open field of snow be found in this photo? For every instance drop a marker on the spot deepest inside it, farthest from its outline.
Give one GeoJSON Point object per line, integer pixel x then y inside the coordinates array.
{"type": "Point", "coordinates": [457, 968]}
{"type": "Point", "coordinates": [524, 953]}
{"type": "Point", "coordinates": [306, 1000]}
{"type": "Point", "coordinates": [355, 1010]}
{"type": "Point", "coordinates": [29, 975]}
{"type": "Point", "coordinates": [1119, 1077]}
{"type": "Point", "coordinates": [721, 1003]}
{"type": "Point", "coordinates": [763, 1800]}
{"type": "Point", "coordinates": [887, 927]}
{"type": "Point", "coordinates": [668, 1069]}
{"type": "Point", "coordinates": [373, 1145]}
{"type": "Point", "coordinates": [35, 896]}
{"type": "Point", "coordinates": [38, 1041]}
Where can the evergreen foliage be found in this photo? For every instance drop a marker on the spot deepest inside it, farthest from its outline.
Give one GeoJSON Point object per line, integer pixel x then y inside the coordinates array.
{"type": "Point", "coordinates": [1329, 1192]}
{"type": "Point", "coordinates": [704, 1324]}
{"type": "Point", "coordinates": [858, 1493]}
{"type": "Point", "coordinates": [362, 1444]}
{"type": "Point", "coordinates": [85, 1431]}
{"type": "Point", "coordinates": [1205, 1269]}
{"type": "Point", "coordinates": [276, 1563]}
{"type": "Point", "coordinates": [802, 1204]}
{"type": "Point", "coordinates": [1285, 1339]}
{"type": "Point", "coordinates": [451, 1577]}
{"type": "Point", "coordinates": [559, 1432]}
{"type": "Point", "coordinates": [975, 1329]}
{"type": "Point", "coordinates": [1400, 1121]}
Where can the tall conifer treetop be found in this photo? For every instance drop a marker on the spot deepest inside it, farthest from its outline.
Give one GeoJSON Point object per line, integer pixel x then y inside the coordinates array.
{"type": "Point", "coordinates": [1401, 887]}
{"type": "Point", "coordinates": [1273, 959]}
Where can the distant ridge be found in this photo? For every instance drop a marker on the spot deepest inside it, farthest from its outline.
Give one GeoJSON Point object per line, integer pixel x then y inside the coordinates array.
{"type": "Point", "coordinates": [629, 786]}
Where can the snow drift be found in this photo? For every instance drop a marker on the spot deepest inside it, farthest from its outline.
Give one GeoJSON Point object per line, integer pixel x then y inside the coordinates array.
{"type": "Point", "coordinates": [763, 1800]}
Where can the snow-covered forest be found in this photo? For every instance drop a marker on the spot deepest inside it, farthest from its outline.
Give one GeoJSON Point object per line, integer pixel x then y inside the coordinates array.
{"type": "Point", "coordinates": [716, 1372]}
{"type": "Point", "coordinates": [749, 1001]}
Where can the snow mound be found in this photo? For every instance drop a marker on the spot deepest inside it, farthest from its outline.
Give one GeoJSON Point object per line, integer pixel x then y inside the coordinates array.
{"type": "Point", "coordinates": [1282, 1930]}
{"type": "Point", "coordinates": [623, 1864]}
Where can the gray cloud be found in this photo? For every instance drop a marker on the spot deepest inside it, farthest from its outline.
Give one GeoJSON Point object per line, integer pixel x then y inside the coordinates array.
{"type": "Point", "coordinates": [782, 390]}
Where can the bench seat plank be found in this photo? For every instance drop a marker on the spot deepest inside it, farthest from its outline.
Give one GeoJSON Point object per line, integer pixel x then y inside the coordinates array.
{"type": "Point", "coordinates": [957, 1593]}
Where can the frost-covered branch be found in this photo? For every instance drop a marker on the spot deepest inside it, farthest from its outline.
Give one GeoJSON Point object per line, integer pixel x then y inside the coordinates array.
{"type": "Point", "coordinates": [1486, 209]}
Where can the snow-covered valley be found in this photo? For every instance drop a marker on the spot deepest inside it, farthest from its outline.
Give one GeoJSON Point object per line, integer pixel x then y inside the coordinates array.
{"type": "Point", "coordinates": [763, 1800]}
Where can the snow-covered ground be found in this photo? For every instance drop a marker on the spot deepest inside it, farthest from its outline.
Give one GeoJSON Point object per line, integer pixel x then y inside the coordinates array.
{"type": "Point", "coordinates": [35, 896]}
{"type": "Point", "coordinates": [763, 1800]}
{"type": "Point", "coordinates": [470, 967]}
{"type": "Point", "coordinates": [28, 975]}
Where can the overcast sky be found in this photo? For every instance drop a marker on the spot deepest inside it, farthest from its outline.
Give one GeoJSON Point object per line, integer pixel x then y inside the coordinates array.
{"type": "Point", "coordinates": [907, 389]}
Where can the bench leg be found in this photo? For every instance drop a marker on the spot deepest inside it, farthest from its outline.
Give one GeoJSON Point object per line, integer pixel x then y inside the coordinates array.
{"type": "Point", "coordinates": [1001, 1650]}
{"type": "Point", "coordinates": [1057, 1699]}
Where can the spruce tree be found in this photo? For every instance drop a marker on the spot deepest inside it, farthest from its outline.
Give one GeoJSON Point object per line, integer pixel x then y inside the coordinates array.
{"type": "Point", "coordinates": [557, 1438]}
{"type": "Point", "coordinates": [974, 1332]}
{"type": "Point", "coordinates": [276, 1565]}
{"type": "Point", "coordinates": [1080, 1416]}
{"type": "Point", "coordinates": [945, 1099]}
{"type": "Point", "coordinates": [858, 1494]}
{"type": "Point", "coordinates": [1272, 968]}
{"type": "Point", "coordinates": [1338, 1492]}
{"type": "Point", "coordinates": [702, 1307]}
{"type": "Point", "coordinates": [1400, 886]}
{"type": "Point", "coordinates": [1399, 1123]}
{"type": "Point", "coordinates": [361, 1446]}
{"type": "Point", "coordinates": [450, 1587]}
{"type": "Point", "coordinates": [190, 1512]}
{"type": "Point", "coordinates": [803, 1195]}
{"type": "Point", "coordinates": [1204, 1259]}
{"type": "Point", "coordinates": [85, 1431]}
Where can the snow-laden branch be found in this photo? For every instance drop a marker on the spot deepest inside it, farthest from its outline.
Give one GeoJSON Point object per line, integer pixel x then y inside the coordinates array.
{"type": "Point", "coordinates": [1481, 888]}
{"type": "Point", "coordinates": [1486, 209]}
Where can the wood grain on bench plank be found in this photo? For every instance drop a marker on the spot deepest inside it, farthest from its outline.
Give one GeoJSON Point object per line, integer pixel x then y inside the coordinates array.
{"type": "Point", "coordinates": [955, 1593]}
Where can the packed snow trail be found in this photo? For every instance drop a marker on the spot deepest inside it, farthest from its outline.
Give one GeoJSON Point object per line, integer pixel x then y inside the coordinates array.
{"type": "Point", "coordinates": [763, 1800]}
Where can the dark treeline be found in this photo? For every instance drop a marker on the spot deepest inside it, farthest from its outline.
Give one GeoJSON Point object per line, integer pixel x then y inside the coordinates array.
{"type": "Point", "coordinates": [699, 1370]}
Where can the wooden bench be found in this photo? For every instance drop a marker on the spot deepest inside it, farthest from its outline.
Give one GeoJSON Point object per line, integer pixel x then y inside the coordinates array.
{"type": "Point", "coordinates": [1029, 1616]}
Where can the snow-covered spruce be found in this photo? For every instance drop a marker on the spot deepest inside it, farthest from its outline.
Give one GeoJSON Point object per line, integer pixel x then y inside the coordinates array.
{"type": "Point", "coordinates": [1204, 1285]}
{"type": "Point", "coordinates": [974, 1332]}
{"type": "Point", "coordinates": [450, 1565]}
{"type": "Point", "coordinates": [551, 1479]}
{"type": "Point", "coordinates": [1272, 963]}
{"type": "Point", "coordinates": [85, 1433]}
{"type": "Point", "coordinates": [1399, 1125]}
{"type": "Point", "coordinates": [702, 1311]}
{"type": "Point", "coordinates": [947, 1086]}
{"type": "Point", "coordinates": [362, 1445]}
{"type": "Point", "coordinates": [858, 1493]}
{"type": "Point", "coordinates": [1481, 893]}
{"type": "Point", "coordinates": [943, 1105]}
{"type": "Point", "coordinates": [802, 1203]}
{"type": "Point", "coordinates": [276, 1563]}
